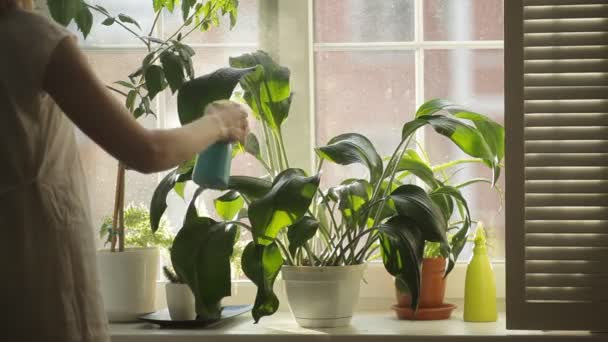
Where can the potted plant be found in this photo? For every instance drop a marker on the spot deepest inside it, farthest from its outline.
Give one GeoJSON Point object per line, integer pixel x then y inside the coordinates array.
{"type": "Point", "coordinates": [167, 64]}
{"type": "Point", "coordinates": [321, 238]}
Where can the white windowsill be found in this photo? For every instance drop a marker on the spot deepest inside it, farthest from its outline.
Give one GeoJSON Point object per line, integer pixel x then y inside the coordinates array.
{"type": "Point", "coordinates": [366, 326]}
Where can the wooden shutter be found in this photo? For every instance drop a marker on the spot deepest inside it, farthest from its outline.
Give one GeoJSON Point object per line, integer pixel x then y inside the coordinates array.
{"type": "Point", "coordinates": [556, 88]}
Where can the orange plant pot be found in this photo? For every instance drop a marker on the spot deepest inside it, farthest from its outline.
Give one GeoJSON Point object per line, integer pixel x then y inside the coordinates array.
{"type": "Point", "coordinates": [432, 291]}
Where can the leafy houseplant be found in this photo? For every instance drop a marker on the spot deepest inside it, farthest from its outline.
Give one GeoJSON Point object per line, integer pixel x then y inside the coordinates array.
{"type": "Point", "coordinates": [295, 223]}
{"type": "Point", "coordinates": [167, 65]}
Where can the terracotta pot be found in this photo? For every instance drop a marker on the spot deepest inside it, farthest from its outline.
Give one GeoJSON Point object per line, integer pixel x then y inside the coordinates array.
{"type": "Point", "coordinates": [432, 289]}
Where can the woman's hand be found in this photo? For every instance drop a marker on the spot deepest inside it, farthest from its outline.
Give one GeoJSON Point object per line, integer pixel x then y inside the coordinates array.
{"type": "Point", "coordinates": [231, 119]}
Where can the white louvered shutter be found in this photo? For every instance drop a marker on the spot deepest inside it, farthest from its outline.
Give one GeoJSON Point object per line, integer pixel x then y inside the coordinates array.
{"type": "Point", "coordinates": [556, 60]}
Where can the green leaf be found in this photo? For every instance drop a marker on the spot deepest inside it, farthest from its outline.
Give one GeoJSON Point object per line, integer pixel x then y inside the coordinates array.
{"type": "Point", "coordinates": [154, 80]}
{"type": "Point", "coordinates": [84, 21]}
{"type": "Point", "coordinates": [186, 7]}
{"type": "Point", "coordinates": [128, 20]}
{"type": "Point", "coordinates": [402, 247]}
{"type": "Point", "coordinates": [285, 203]}
{"type": "Point", "coordinates": [102, 9]}
{"type": "Point", "coordinates": [179, 189]}
{"type": "Point", "coordinates": [229, 205]}
{"type": "Point", "coordinates": [412, 163]}
{"type": "Point", "coordinates": [252, 146]}
{"type": "Point", "coordinates": [352, 195]}
{"type": "Point", "coordinates": [267, 90]}
{"type": "Point", "coordinates": [353, 148]}
{"type": "Point", "coordinates": [125, 84]}
{"type": "Point", "coordinates": [139, 111]}
{"type": "Point", "coordinates": [201, 256]}
{"type": "Point", "coordinates": [196, 94]}
{"type": "Point", "coordinates": [63, 11]}
{"type": "Point", "coordinates": [460, 238]}
{"type": "Point", "coordinates": [300, 232]}
{"type": "Point", "coordinates": [130, 101]}
{"type": "Point", "coordinates": [158, 205]}
{"type": "Point", "coordinates": [250, 187]}
{"type": "Point", "coordinates": [414, 203]}
{"type": "Point", "coordinates": [172, 66]}
{"type": "Point", "coordinates": [108, 22]}
{"type": "Point", "coordinates": [261, 264]}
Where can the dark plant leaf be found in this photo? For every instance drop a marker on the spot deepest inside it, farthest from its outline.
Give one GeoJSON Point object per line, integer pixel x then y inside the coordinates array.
{"type": "Point", "coordinates": [402, 246]}
{"type": "Point", "coordinates": [229, 205]}
{"type": "Point", "coordinates": [84, 20]}
{"type": "Point", "coordinates": [201, 257]}
{"type": "Point", "coordinates": [128, 20]}
{"type": "Point", "coordinates": [414, 203]}
{"type": "Point", "coordinates": [412, 163]}
{"type": "Point", "coordinates": [63, 11]}
{"type": "Point", "coordinates": [158, 205]}
{"type": "Point", "coordinates": [300, 232]}
{"type": "Point", "coordinates": [108, 22]}
{"type": "Point", "coordinates": [196, 94]}
{"type": "Point", "coordinates": [261, 264]}
{"type": "Point", "coordinates": [130, 101]}
{"type": "Point", "coordinates": [352, 195]}
{"type": "Point", "coordinates": [460, 238]}
{"type": "Point", "coordinates": [154, 80]}
{"type": "Point", "coordinates": [174, 72]}
{"type": "Point", "coordinates": [251, 188]}
{"type": "Point", "coordinates": [285, 203]}
{"type": "Point", "coordinates": [352, 148]}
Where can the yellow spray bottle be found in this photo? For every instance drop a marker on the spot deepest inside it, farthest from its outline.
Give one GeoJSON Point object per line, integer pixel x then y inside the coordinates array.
{"type": "Point", "coordinates": [480, 284]}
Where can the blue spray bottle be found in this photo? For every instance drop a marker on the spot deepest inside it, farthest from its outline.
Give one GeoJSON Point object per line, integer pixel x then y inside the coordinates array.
{"type": "Point", "coordinates": [212, 167]}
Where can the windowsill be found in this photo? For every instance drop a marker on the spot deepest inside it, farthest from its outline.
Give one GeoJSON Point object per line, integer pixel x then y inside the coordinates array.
{"type": "Point", "coordinates": [366, 326]}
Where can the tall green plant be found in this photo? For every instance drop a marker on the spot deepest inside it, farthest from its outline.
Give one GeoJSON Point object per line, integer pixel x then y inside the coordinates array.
{"type": "Point", "coordinates": [293, 221]}
{"type": "Point", "coordinates": [167, 64]}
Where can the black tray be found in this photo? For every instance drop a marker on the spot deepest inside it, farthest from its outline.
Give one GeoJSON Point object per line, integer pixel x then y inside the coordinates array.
{"type": "Point", "coordinates": [163, 319]}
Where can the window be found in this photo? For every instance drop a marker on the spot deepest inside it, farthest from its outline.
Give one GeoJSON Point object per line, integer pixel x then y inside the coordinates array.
{"type": "Point", "coordinates": [377, 61]}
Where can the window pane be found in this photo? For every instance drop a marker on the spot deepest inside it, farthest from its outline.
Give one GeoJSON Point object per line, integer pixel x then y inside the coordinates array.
{"type": "Point", "coordinates": [100, 168]}
{"type": "Point", "coordinates": [245, 31]}
{"type": "Point", "coordinates": [371, 93]}
{"type": "Point", "coordinates": [473, 78]}
{"type": "Point", "coordinates": [364, 20]}
{"type": "Point", "coordinates": [115, 34]}
{"type": "Point", "coordinates": [463, 19]}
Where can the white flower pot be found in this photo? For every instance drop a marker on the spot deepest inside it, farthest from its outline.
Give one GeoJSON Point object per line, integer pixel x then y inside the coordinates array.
{"type": "Point", "coordinates": [180, 302]}
{"type": "Point", "coordinates": [322, 297]}
{"type": "Point", "coordinates": [128, 282]}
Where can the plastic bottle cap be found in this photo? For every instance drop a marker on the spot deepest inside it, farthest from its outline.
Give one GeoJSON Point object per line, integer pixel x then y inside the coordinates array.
{"type": "Point", "coordinates": [480, 235]}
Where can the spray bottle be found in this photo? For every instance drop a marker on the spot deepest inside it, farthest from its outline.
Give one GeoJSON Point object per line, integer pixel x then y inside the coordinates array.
{"type": "Point", "coordinates": [480, 284]}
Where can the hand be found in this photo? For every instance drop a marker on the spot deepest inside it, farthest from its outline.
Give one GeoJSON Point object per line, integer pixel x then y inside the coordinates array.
{"type": "Point", "coordinates": [231, 119]}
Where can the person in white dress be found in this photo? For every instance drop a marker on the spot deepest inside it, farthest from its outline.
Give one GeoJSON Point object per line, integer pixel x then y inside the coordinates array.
{"type": "Point", "coordinates": [49, 285]}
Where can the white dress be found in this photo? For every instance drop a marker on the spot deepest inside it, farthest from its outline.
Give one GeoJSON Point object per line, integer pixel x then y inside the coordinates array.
{"type": "Point", "coordinates": [48, 277]}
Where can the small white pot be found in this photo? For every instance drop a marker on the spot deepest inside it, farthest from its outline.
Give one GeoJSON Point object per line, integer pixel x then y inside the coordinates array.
{"type": "Point", "coordinates": [128, 282]}
{"type": "Point", "coordinates": [180, 302]}
{"type": "Point", "coordinates": [322, 297]}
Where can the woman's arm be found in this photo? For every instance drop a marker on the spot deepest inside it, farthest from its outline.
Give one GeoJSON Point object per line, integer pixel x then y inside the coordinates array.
{"type": "Point", "coordinates": [73, 85]}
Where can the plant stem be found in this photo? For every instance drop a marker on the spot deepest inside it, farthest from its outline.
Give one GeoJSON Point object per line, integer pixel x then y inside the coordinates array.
{"type": "Point", "coordinates": [357, 238]}
{"type": "Point", "coordinates": [282, 147]}
{"type": "Point", "coordinates": [121, 214]}
{"type": "Point", "coordinates": [285, 252]}
{"type": "Point", "coordinates": [119, 23]}
{"type": "Point", "coordinates": [117, 91]}
{"type": "Point", "coordinates": [154, 22]}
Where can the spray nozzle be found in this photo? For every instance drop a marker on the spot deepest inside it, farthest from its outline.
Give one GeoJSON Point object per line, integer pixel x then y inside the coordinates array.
{"type": "Point", "coordinates": [480, 235]}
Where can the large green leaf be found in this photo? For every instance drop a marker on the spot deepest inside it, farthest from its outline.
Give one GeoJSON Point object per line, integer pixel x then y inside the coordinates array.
{"type": "Point", "coordinates": [460, 238]}
{"type": "Point", "coordinates": [174, 72]}
{"type": "Point", "coordinates": [155, 80]}
{"type": "Point", "coordinates": [201, 256]}
{"type": "Point", "coordinates": [250, 187]}
{"type": "Point", "coordinates": [353, 148]}
{"type": "Point", "coordinates": [412, 163]}
{"type": "Point", "coordinates": [300, 232]}
{"type": "Point", "coordinates": [228, 205]}
{"type": "Point", "coordinates": [352, 195]}
{"type": "Point", "coordinates": [63, 11]}
{"type": "Point", "coordinates": [84, 20]}
{"type": "Point", "coordinates": [402, 245]}
{"type": "Point", "coordinates": [128, 20]}
{"type": "Point", "coordinates": [267, 91]}
{"type": "Point", "coordinates": [196, 94]}
{"type": "Point", "coordinates": [261, 264]}
{"type": "Point", "coordinates": [285, 203]}
{"type": "Point", "coordinates": [414, 203]}
{"type": "Point", "coordinates": [493, 133]}
{"type": "Point", "coordinates": [158, 205]}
